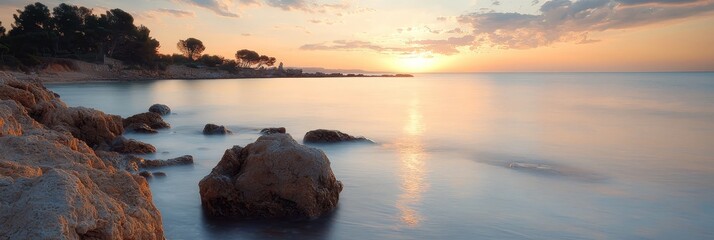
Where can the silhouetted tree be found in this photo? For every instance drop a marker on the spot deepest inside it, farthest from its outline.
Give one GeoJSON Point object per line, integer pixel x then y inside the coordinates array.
{"type": "Point", "coordinates": [32, 33]}
{"type": "Point", "coordinates": [265, 60]}
{"type": "Point", "coordinates": [2, 30]}
{"type": "Point", "coordinates": [247, 58]}
{"type": "Point", "coordinates": [34, 18]}
{"type": "Point", "coordinates": [191, 48]}
{"type": "Point", "coordinates": [211, 61]}
{"type": "Point", "coordinates": [119, 27]}
{"type": "Point", "coordinates": [70, 22]}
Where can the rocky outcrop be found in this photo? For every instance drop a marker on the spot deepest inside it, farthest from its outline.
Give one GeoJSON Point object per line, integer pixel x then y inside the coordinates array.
{"type": "Point", "coordinates": [183, 160]}
{"type": "Point", "coordinates": [140, 128]}
{"type": "Point", "coordinates": [268, 131]}
{"type": "Point", "coordinates": [272, 177]}
{"type": "Point", "coordinates": [153, 120]}
{"type": "Point", "coordinates": [53, 185]}
{"type": "Point", "coordinates": [331, 136]}
{"type": "Point", "coordinates": [127, 162]}
{"type": "Point", "coordinates": [213, 129]}
{"type": "Point", "coordinates": [161, 109]}
{"type": "Point", "coordinates": [89, 125]}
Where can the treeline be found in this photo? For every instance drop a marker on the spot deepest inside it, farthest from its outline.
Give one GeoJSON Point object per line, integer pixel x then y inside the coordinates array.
{"type": "Point", "coordinates": [75, 32]}
{"type": "Point", "coordinates": [69, 31]}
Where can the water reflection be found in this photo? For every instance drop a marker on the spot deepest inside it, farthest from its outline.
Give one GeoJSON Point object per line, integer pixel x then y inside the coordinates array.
{"type": "Point", "coordinates": [412, 167]}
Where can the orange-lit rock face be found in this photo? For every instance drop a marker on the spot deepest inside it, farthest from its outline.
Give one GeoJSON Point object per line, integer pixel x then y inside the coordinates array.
{"type": "Point", "coordinates": [52, 185]}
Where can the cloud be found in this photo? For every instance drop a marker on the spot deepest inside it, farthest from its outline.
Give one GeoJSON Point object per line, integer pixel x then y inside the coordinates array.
{"type": "Point", "coordinates": [446, 47]}
{"type": "Point", "coordinates": [175, 12]}
{"type": "Point", "coordinates": [219, 7]}
{"type": "Point", "coordinates": [569, 21]}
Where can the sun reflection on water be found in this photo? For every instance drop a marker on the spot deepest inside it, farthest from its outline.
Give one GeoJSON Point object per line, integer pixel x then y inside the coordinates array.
{"type": "Point", "coordinates": [412, 168]}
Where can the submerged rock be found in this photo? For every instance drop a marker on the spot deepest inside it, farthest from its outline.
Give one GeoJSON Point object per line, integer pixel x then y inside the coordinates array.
{"type": "Point", "coordinates": [268, 131]}
{"type": "Point", "coordinates": [183, 160]}
{"type": "Point", "coordinates": [140, 128]}
{"type": "Point", "coordinates": [153, 120]}
{"type": "Point", "coordinates": [331, 136]}
{"type": "Point", "coordinates": [272, 177]}
{"type": "Point", "coordinates": [145, 174]}
{"type": "Point", "coordinates": [213, 129]}
{"type": "Point", "coordinates": [161, 109]}
{"type": "Point", "coordinates": [159, 174]}
{"type": "Point", "coordinates": [53, 185]}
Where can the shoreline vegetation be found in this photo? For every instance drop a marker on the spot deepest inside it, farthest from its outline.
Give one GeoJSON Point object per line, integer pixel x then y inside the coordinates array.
{"type": "Point", "coordinates": [71, 43]}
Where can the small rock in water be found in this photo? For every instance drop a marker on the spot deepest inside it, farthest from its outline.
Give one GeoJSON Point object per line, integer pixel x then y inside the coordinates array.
{"type": "Point", "coordinates": [183, 160]}
{"type": "Point", "coordinates": [213, 129]}
{"type": "Point", "coordinates": [331, 136]}
{"type": "Point", "coordinates": [124, 145]}
{"type": "Point", "coordinates": [151, 119]}
{"type": "Point", "coordinates": [140, 128]}
{"type": "Point", "coordinates": [159, 174]}
{"type": "Point", "coordinates": [145, 174]}
{"type": "Point", "coordinates": [161, 109]}
{"type": "Point", "coordinates": [268, 131]}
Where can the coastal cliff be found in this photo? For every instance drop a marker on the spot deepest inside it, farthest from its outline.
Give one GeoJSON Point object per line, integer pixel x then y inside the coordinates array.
{"type": "Point", "coordinates": [52, 183]}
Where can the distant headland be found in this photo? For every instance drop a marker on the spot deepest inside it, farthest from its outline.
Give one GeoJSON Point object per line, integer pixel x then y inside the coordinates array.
{"type": "Point", "coordinates": [71, 43]}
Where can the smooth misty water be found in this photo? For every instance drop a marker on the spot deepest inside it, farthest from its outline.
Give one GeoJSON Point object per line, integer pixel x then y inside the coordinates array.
{"type": "Point", "coordinates": [460, 156]}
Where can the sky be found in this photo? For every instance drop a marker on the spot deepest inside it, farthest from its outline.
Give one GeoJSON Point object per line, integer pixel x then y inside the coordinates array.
{"type": "Point", "coordinates": [435, 35]}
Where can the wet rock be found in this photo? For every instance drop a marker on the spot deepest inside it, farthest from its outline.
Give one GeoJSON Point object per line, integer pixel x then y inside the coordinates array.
{"type": "Point", "coordinates": [272, 177]}
{"type": "Point", "coordinates": [268, 131]}
{"type": "Point", "coordinates": [159, 174]}
{"type": "Point", "coordinates": [331, 136]}
{"type": "Point", "coordinates": [161, 109]}
{"type": "Point", "coordinates": [140, 128]}
{"type": "Point", "coordinates": [121, 161]}
{"type": "Point", "coordinates": [124, 145]}
{"type": "Point", "coordinates": [183, 160]}
{"type": "Point", "coordinates": [213, 129]}
{"type": "Point", "coordinates": [153, 120]}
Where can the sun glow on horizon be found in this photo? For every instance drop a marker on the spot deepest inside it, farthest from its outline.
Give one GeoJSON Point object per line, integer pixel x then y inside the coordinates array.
{"type": "Point", "coordinates": [416, 63]}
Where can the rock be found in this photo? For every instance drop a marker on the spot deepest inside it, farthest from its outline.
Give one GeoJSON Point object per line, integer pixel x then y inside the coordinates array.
{"type": "Point", "coordinates": [268, 131]}
{"type": "Point", "coordinates": [53, 185]}
{"type": "Point", "coordinates": [153, 120]}
{"type": "Point", "coordinates": [145, 174]}
{"type": "Point", "coordinates": [121, 161]}
{"type": "Point", "coordinates": [213, 129]}
{"type": "Point", "coordinates": [161, 109]}
{"type": "Point", "coordinates": [331, 136]}
{"type": "Point", "coordinates": [140, 128]}
{"type": "Point", "coordinates": [159, 174]}
{"type": "Point", "coordinates": [124, 145]}
{"type": "Point", "coordinates": [91, 126]}
{"type": "Point", "coordinates": [272, 177]}
{"type": "Point", "coordinates": [183, 160]}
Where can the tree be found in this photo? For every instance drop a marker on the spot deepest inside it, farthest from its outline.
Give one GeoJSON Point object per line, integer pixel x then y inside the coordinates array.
{"type": "Point", "coordinates": [35, 18]}
{"type": "Point", "coordinates": [211, 61]}
{"type": "Point", "coordinates": [119, 27]}
{"type": "Point", "coordinates": [191, 48]}
{"type": "Point", "coordinates": [2, 30]}
{"type": "Point", "coordinates": [32, 33]}
{"type": "Point", "coordinates": [265, 60]}
{"type": "Point", "coordinates": [70, 22]}
{"type": "Point", "coordinates": [247, 58]}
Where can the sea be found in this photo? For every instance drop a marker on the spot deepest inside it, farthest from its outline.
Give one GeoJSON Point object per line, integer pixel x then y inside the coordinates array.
{"type": "Point", "coordinates": [457, 156]}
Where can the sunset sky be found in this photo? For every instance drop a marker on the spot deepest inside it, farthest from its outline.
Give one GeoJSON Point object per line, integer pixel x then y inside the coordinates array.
{"type": "Point", "coordinates": [436, 36]}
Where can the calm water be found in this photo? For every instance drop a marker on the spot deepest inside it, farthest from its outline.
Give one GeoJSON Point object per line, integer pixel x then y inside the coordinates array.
{"type": "Point", "coordinates": [460, 156]}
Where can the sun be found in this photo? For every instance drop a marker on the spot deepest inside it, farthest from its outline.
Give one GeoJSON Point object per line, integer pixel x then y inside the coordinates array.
{"type": "Point", "coordinates": [416, 63]}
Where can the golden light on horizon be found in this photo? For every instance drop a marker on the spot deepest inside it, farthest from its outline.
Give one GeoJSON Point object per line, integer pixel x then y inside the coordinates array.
{"type": "Point", "coordinates": [416, 63]}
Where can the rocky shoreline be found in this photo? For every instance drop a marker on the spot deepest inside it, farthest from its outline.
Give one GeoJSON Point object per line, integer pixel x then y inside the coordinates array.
{"type": "Point", "coordinates": [79, 71]}
{"type": "Point", "coordinates": [73, 167]}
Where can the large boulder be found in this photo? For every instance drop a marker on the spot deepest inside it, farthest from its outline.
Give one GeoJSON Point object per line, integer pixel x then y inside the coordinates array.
{"type": "Point", "coordinates": [153, 120]}
{"type": "Point", "coordinates": [272, 177]}
{"type": "Point", "coordinates": [53, 186]}
{"type": "Point", "coordinates": [213, 129]}
{"type": "Point", "coordinates": [161, 109]}
{"type": "Point", "coordinates": [331, 136]}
